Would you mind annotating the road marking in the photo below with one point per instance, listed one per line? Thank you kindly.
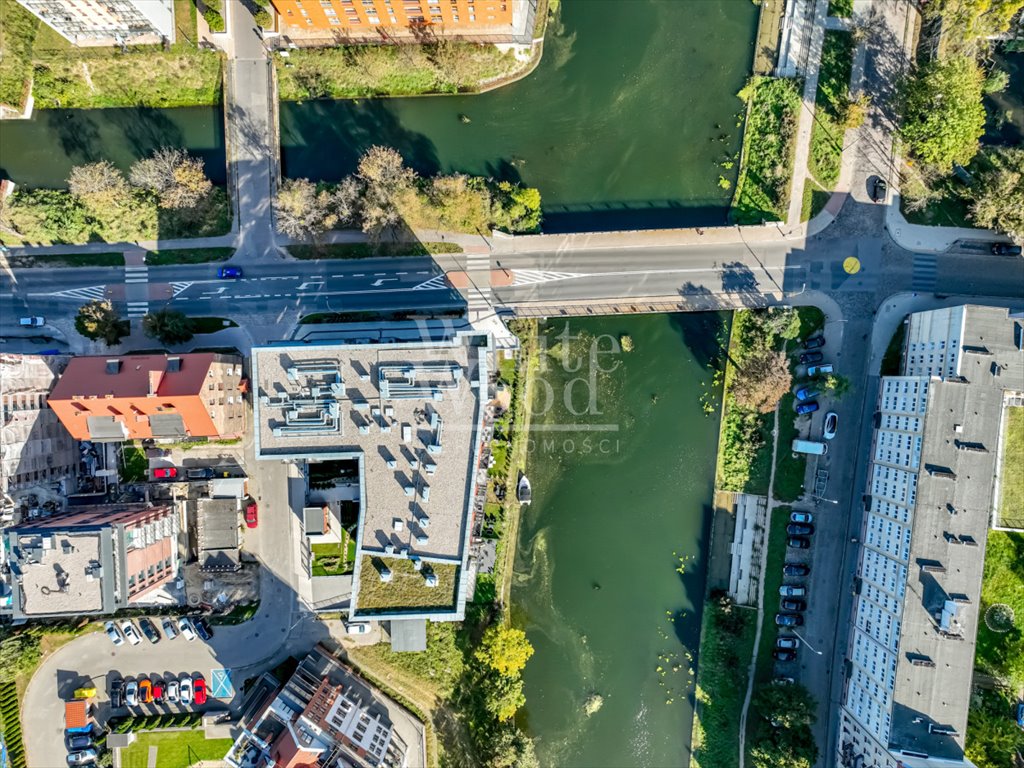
(381, 281)
(433, 284)
(309, 284)
(88, 294)
(359, 274)
(532, 276)
(177, 288)
(401, 273)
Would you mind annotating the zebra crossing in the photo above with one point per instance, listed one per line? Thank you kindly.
(926, 271)
(138, 276)
(478, 293)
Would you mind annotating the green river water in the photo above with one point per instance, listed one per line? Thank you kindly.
(621, 500)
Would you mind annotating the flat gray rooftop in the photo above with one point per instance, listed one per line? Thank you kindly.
(60, 581)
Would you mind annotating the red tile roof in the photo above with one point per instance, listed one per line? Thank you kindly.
(87, 376)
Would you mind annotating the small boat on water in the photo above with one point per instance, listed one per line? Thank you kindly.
(523, 491)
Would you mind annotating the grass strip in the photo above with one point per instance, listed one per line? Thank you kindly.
(56, 261)
(188, 256)
(371, 250)
(1001, 653)
(18, 29)
(1011, 479)
(790, 467)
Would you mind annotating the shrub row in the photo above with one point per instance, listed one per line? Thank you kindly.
(11, 723)
(154, 722)
(212, 13)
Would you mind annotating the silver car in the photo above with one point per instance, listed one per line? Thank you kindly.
(789, 591)
(131, 694)
(115, 636)
(169, 630)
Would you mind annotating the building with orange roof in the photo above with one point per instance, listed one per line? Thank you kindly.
(160, 397)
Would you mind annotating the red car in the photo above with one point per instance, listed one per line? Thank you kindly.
(158, 691)
(165, 472)
(199, 694)
(251, 515)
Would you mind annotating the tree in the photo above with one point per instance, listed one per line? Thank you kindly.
(305, 212)
(384, 169)
(505, 650)
(502, 696)
(785, 706)
(168, 326)
(98, 184)
(178, 179)
(512, 749)
(966, 20)
(99, 320)
(783, 322)
(837, 385)
(762, 379)
(998, 192)
(941, 110)
(515, 208)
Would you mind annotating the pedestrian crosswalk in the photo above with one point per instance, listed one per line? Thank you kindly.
(138, 308)
(136, 274)
(478, 292)
(136, 284)
(925, 272)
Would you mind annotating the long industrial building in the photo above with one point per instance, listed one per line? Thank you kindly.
(107, 22)
(928, 503)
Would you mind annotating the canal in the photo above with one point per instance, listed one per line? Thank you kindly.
(609, 575)
(41, 151)
(630, 120)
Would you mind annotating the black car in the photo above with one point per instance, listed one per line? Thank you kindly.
(799, 529)
(76, 741)
(149, 630)
(786, 642)
(782, 655)
(117, 693)
(203, 628)
(795, 569)
(798, 542)
(809, 358)
(814, 342)
(200, 473)
(879, 189)
(789, 620)
(792, 604)
(1006, 249)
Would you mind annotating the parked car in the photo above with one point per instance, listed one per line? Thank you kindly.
(165, 473)
(83, 757)
(798, 542)
(149, 630)
(229, 273)
(793, 604)
(818, 370)
(130, 633)
(199, 690)
(203, 628)
(789, 620)
(111, 630)
(792, 590)
(815, 342)
(806, 393)
(784, 681)
(1020, 714)
(145, 691)
(781, 655)
(168, 627)
(158, 690)
(804, 408)
(185, 692)
(811, 357)
(1006, 249)
(31, 322)
(75, 741)
(251, 515)
(785, 641)
(186, 628)
(131, 693)
(200, 473)
(117, 692)
(172, 691)
(801, 517)
(879, 190)
(796, 569)
(357, 628)
(799, 529)
(831, 425)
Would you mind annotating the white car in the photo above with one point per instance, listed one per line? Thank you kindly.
(130, 633)
(111, 630)
(801, 517)
(131, 694)
(186, 628)
(172, 692)
(831, 425)
(169, 630)
(359, 628)
(185, 691)
(31, 322)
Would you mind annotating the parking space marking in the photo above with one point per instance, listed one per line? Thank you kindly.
(220, 684)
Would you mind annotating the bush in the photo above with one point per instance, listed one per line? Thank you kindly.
(212, 14)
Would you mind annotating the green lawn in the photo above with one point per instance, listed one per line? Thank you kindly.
(175, 749)
(892, 360)
(136, 464)
(815, 200)
(370, 250)
(407, 588)
(772, 581)
(1011, 486)
(18, 29)
(109, 259)
(830, 107)
(789, 467)
(188, 256)
(1002, 654)
(334, 559)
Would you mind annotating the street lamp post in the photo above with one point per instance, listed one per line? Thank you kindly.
(804, 639)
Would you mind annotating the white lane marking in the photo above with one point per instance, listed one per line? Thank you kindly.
(309, 284)
(532, 276)
(92, 292)
(379, 282)
(433, 284)
(177, 288)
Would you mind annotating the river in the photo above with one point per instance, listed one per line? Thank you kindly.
(628, 120)
(610, 564)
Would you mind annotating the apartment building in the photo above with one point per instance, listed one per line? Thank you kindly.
(34, 446)
(928, 502)
(509, 19)
(107, 22)
(91, 561)
(160, 397)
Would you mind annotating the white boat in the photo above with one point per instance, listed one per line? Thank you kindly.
(523, 491)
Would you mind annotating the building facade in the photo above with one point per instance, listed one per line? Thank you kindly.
(160, 397)
(928, 503)
(490, 18)
(107, 22)
(34, 446)
(91, 561)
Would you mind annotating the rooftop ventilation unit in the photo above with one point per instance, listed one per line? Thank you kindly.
(423, 521)
(406, 433)
(430, 468)
(417, 564)
(425, 493)
(403, 552)
(398, 525)
(409, 490)
(385, 574)
(392, 463)
(389, 549)
(422, 538)
(430, 579)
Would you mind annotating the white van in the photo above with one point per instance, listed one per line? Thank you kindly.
(810, 446)
(819, 370)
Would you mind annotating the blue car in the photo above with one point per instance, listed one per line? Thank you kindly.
(805, 408)
(1020, 714)
(229, 273)
(806, 393)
